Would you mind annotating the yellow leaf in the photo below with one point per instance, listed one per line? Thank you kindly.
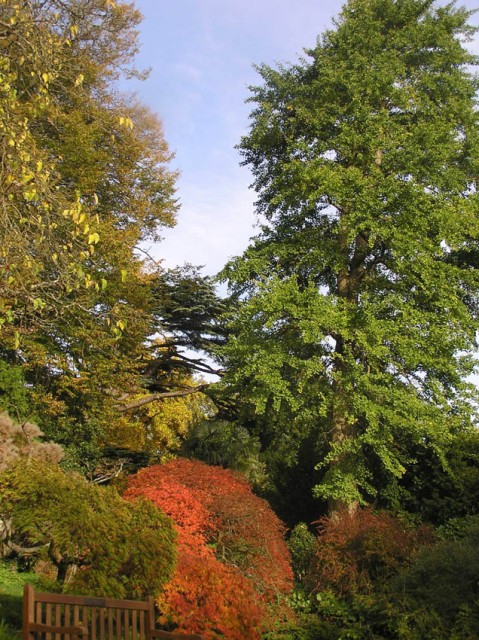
(123, 275)
(93, 238)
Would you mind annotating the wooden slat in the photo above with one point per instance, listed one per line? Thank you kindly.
(38, 612)
(142, 624)
(102, 624)
(66, 619)
(48, 618)
(134, 625)
(58, 619)
(118, 624)
(93, 622)
(84, 617)
(126, 624)
(110, 624)
(76, 617)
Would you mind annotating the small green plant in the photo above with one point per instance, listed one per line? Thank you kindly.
(302, 545)
(6, 633)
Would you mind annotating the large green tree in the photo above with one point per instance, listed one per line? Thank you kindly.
(357, 303)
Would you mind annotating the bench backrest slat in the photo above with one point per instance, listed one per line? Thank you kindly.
(58, 619)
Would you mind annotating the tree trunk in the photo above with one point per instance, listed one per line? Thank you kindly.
(342, 428)
(343, 424)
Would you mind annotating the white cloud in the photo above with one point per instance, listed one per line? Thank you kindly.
(215, 223)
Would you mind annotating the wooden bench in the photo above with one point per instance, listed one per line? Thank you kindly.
(55, 616)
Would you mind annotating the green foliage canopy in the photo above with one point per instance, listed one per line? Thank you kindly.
(357, 303)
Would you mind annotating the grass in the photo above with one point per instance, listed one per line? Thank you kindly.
(11, 591)
(7, 633)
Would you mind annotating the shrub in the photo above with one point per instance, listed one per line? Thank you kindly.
(210, 598)
(17, 441)
(6, 633)
(356, 551)
(302, 545)
(233, 561)
(99, 543)
(443, 580)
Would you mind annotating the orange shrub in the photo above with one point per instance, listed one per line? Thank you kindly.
(210, 598)
(233, 562)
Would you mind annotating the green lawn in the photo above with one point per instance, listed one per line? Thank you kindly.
(11, 590)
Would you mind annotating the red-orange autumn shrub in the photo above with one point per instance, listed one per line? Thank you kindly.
(233, 562)
(210, 598)
(355, 551)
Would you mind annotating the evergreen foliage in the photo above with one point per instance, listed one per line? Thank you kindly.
(229, 445)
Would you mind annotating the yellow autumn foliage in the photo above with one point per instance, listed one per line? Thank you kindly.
(159, 428)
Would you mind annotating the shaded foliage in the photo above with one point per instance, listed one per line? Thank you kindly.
(229, 445)
(441, 588)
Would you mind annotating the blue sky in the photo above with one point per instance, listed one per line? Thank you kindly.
(201, 54)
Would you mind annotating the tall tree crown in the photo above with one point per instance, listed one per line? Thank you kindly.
(359, 297)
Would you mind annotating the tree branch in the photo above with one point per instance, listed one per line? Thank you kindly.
(140, 402)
